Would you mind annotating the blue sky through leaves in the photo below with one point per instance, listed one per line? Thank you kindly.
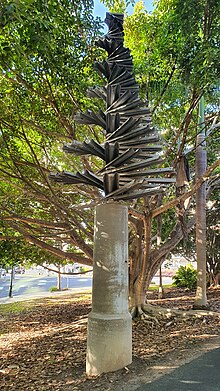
(100, 9)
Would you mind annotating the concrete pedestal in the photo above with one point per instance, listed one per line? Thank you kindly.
(109, 340)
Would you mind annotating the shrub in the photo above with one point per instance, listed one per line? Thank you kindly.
(185, 277)
(53, 289)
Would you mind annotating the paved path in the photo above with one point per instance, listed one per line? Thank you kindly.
(201, 374)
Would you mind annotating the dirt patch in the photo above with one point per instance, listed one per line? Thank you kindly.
(44, 348)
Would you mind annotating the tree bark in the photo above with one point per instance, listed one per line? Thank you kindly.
(58, 279)
(160, 290)
(136, 258)
(159, 229)
(137, 298)
(153, 261)
(11, 282)
(201, 161)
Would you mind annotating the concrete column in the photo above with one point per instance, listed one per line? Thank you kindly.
(109, 340)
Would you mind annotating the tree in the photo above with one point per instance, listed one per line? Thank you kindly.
(11, 256)
(213, 240)
(47, 52)
(201, 162)
(171, 72)
(7, 260)
(188, 245)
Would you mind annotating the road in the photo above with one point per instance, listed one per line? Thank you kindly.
(27, 286)
(201, 374)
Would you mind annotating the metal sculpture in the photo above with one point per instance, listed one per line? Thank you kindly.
(132, 145)
(130, 154)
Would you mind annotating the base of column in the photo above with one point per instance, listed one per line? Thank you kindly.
(109, 343)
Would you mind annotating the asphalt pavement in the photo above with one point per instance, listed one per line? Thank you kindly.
(200, 374)
(29, 287)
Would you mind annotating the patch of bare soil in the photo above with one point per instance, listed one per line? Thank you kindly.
(44, 348)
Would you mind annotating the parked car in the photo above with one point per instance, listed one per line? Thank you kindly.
(3, 272)
(19, 270)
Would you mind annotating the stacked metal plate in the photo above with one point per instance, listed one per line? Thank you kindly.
(132, 150)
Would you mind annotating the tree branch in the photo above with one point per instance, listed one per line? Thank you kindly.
(66, 273)
(164, 88)
(42, 223)
(176, 201)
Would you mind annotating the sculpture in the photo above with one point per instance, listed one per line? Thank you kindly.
(132, 145)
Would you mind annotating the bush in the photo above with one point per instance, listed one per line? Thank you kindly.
(185, 277)
(53, 289)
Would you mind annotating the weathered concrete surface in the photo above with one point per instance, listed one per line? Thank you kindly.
(109, 345)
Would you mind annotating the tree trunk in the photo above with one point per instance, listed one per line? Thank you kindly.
(137, 299)
(159, 229)
(138, 284)
(136, 259)
(58, 279)
(11, 282)
(160, 291)
(201, 161)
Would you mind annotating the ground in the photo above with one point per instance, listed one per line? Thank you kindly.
(43, 343)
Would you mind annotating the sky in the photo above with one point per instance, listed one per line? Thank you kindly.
(100, 9)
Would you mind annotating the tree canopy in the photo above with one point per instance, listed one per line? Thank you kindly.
(47, 52)
(46, 55)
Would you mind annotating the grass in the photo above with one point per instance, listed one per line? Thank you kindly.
(54, 289)
(14, 308)
(27, 305)
(156, 287)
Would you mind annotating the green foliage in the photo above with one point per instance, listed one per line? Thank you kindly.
(185, 277)
(117, 5)
(190, 31)
(47, 53)
(188, 245)
(53, 289)
(176, 59)
(21, 253)
(183, 35)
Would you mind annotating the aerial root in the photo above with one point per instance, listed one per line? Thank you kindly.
(133, 312)
(154, 314)
(140, 313)
(146, 317)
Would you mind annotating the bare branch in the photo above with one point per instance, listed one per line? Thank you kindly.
(176, 201)
(6, 237)
(164, 88)
(42, 130)
(42, 223)
(66, 273)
